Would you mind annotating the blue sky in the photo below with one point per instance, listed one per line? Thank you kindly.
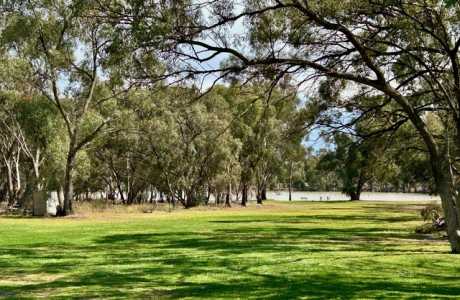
(238, 29)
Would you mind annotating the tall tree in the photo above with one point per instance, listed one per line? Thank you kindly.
(66, 50)
(405, 51)
(353, 161)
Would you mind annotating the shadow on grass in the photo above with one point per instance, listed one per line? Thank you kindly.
(251, 283)
(243, 258)
(322, 218)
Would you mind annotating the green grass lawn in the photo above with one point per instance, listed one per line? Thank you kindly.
(347, 250)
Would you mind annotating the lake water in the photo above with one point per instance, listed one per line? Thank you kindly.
(337, 196)
(303, 196)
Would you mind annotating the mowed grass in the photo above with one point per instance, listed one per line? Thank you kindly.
(349, 250)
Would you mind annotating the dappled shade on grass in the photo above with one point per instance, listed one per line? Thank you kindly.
(281, 251)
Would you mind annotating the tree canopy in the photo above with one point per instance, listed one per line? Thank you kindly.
(188, 100)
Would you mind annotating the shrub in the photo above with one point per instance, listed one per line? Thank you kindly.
(431, 212)
(435, 222)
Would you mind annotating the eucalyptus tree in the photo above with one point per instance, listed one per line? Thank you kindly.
(168, 140)
(122, 157)
(28, 123)
(191, 142)
(11, 153)
(405, 51)
(294, 160)
(354, 162)
(406, 162)
(66, 50)
(315, 176)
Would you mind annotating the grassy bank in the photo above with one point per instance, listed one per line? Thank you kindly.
(278, 251)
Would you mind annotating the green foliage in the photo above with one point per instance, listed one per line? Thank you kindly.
(451, 3)
(431, 212)
(38, 119)
(89, 85)
(352, 161)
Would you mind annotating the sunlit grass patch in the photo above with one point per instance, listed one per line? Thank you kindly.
(277, 251)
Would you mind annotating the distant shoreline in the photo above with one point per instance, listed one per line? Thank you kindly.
(338, 196)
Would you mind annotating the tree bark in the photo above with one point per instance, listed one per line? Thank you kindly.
(68, 184)
(244, 195)
(259, 198)
(290, 181)
(190, 199)
(120, 191)
(227, 196)
(355, 196)
(261, 193)
(208, 194)
(10, 194)
(450, 200)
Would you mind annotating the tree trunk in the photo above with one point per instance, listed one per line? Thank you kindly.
(190, 199)
(68, 184)
(260, 191)
(129, 197)
(208, 195)
(59, 196)
(227, 196)
(244, 195)
(10, 193)
(3, 191)
(17, 176)
(152, 194)
(259, 198)
(290, 191)
(290, 181)
(120, 191)
(355, 196)
(450, 201)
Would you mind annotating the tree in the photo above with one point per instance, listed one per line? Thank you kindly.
(66, 51)
(267, 126)
(294, 160)
(404, 51)
(354, 163)
(10, 149)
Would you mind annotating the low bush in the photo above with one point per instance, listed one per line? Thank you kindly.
(434, 220)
